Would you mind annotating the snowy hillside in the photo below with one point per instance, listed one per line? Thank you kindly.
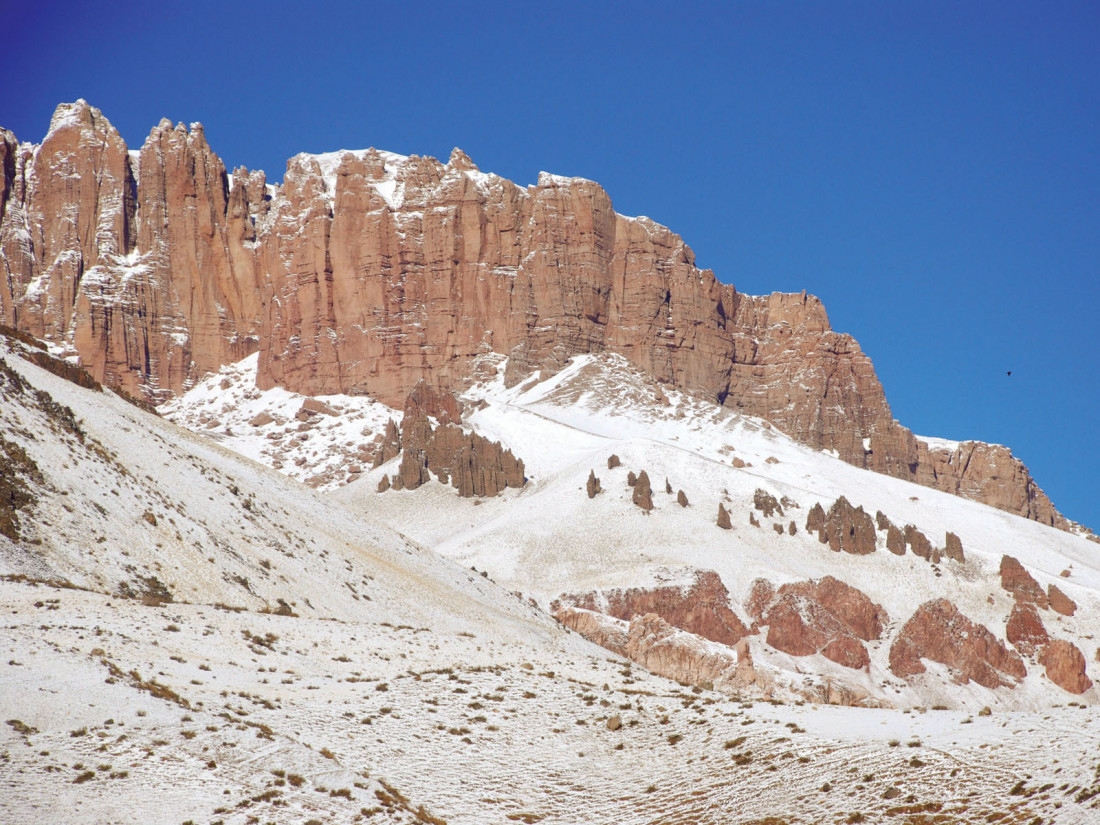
(550, 539)
(152, 674)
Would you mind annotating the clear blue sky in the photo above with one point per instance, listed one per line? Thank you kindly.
(930, 169)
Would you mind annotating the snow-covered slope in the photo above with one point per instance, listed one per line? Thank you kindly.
(406, 688)
(550, 538)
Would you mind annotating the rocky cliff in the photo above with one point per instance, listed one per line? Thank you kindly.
(366, 272)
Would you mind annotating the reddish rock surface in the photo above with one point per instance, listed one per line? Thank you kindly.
(1065, 666)
(827, 617)
(701, 608)
(1023, 587)
(920, 545)
(1060, 602)
(1025, 630)
(939, 632)
(370, 272)
(845, 527)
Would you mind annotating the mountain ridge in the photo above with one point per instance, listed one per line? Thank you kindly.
(365, 272)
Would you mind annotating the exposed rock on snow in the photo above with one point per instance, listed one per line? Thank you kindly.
(939, 632)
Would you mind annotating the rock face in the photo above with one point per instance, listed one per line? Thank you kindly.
(154, 279)
(1060, 602)
(701, 608)
(939, 632)
(988, 473)
(828, 617)
(1023, 587)
(845, 527)
(367, 272)
(1065, 666)
(661, 648)
(472, 464)
(1025, 630)
(724, 517)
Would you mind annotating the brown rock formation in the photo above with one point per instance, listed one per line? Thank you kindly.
(631, 479)
(593, 484)
(1065, 666)
(988, 473)
(828, 617)
(703, 608)
(724, 517)
(895, 541)
(643, 493)
(845, 527)
(1025, 630)
(939, 632)
(471, 463)
(681, 499)
(766, 503)
(815, 522)
(613, 461)
(390, 446)
(920, 545)
(954, 548)
(368, 272)
(1017, 581)
(1060, 602)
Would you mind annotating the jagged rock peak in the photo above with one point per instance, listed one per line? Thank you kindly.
(461, 162)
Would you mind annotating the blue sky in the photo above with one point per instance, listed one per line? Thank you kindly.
(931, 170)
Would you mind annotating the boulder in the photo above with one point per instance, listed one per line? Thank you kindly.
(1065, 666)
(724, 517)
(766, 503)
(1023, 587)
(1060, 602)
(643, 494)
(593, 485)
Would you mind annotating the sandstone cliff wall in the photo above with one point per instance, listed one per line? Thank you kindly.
(366, 272)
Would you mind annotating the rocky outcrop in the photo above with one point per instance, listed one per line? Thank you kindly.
(920, 545)
(724, 517)
(1060, 602)
(845, 527)
(1025, 630)
(1023, 587)
(643, 493)
(766, 503)
(953, 548)
(471, 463)
(939, 632)
(681, 498)
(390, 446)
(665, 650)
(828, 617)
(701, 607)
(367, 272)
(592, 487)
(1065, 666)
(988, 473)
